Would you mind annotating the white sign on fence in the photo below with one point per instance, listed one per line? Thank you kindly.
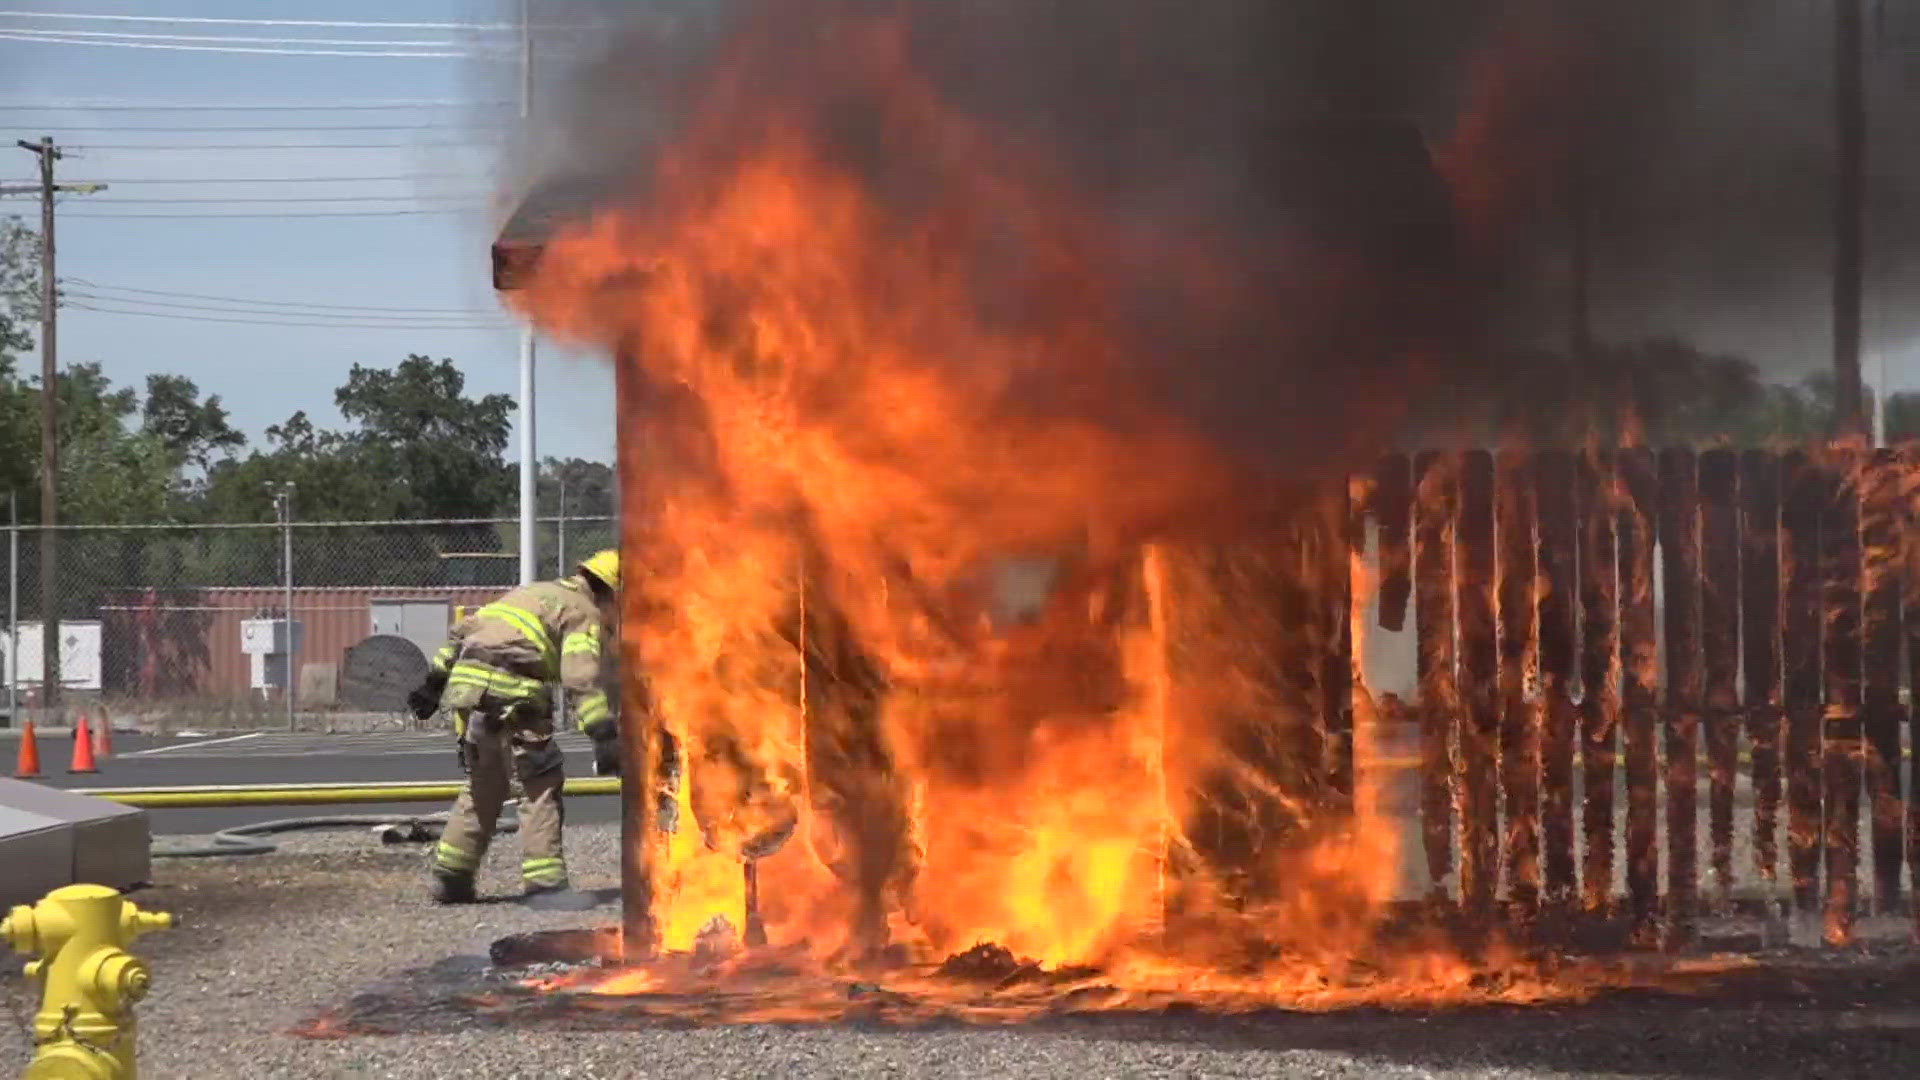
(79, 655)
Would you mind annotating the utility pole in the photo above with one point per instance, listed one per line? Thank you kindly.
(529, 469)
(1849, 224)
(50, 685)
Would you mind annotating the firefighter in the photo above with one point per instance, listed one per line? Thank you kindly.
(495, 675)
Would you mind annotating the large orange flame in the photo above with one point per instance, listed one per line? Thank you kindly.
(870, 392)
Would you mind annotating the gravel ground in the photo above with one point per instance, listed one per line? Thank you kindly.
(273, 940)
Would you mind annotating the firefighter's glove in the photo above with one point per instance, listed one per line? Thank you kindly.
(606, 746)
(424, 700)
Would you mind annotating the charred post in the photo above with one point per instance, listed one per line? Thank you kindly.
(1760, 647)
(1840, 573)
(1880, 522)
(1680, 574)
(1519, 723)
(851, 782)
(638, 753)
(1639, 674)
(1479, 676)
(1337, 679)
(1720, 641)
(1800, 663)
(1599, 676)
(1558, 541)
(1392, 504)
(1436, 478)
(1909, 519)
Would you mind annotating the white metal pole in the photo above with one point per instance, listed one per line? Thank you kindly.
(528, 467)
(293, 649)
(560, 569)
(13, 608)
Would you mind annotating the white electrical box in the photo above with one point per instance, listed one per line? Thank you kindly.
(269, 637)
(79, 655)
(269, 645)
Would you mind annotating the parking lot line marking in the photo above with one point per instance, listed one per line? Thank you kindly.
(193, 745)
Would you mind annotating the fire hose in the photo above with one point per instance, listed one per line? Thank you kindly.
(232, 795)
(241, 840)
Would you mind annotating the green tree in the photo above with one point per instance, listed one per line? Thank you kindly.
(580, 487)
(1661, 391)
(19, 285)
(418, 447)
(110, 470)
(193, 431)
(585, 493)
(440, 449)
(1902, 417)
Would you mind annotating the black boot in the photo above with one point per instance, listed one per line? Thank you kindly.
(448, 887)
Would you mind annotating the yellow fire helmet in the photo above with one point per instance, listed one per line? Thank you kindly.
(604, 567)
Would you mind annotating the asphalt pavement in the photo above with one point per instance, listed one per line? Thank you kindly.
(283, 758)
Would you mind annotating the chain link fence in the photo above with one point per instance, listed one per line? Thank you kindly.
(186, 627)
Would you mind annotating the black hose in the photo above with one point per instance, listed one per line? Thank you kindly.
(238, 840)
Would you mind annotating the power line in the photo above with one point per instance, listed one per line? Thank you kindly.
(421, 317)
(261, 50)
(222, 200)
(202, 129)
(107, 37)
(135, 106)
(190, 216)
(276, 179)
(273, 303)
(329, 23)
(443, 145)
(327, 325)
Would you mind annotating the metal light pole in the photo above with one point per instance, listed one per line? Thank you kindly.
(560, 529)
(283, 512)
(528, 467)
(13, 608)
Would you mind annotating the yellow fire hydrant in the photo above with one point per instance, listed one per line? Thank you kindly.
(90, 983)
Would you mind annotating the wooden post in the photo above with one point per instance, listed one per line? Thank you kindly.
(1840, 573)
(1760, 647)
(1800, 662)
(1680, 574)
(1519, 723)
(1599, 675)
(1336, 669)
(1479, 675)
(1910, 617)
(1392, 514)
(1639, 672)
(1720, 638)
(637, 751)
(1554, 477)
(1436, 478)
(1880, 524)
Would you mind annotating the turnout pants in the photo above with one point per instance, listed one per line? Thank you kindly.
(499, 747)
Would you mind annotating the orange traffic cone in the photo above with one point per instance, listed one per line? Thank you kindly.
(82, 749)
(103, 738)
(27, 767)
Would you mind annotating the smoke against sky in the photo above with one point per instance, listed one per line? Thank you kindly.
(1702, 129)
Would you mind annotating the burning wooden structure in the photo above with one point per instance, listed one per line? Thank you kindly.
(1771, 665)
(1583, 618)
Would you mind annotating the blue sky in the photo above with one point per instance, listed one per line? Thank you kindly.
(433, 263)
